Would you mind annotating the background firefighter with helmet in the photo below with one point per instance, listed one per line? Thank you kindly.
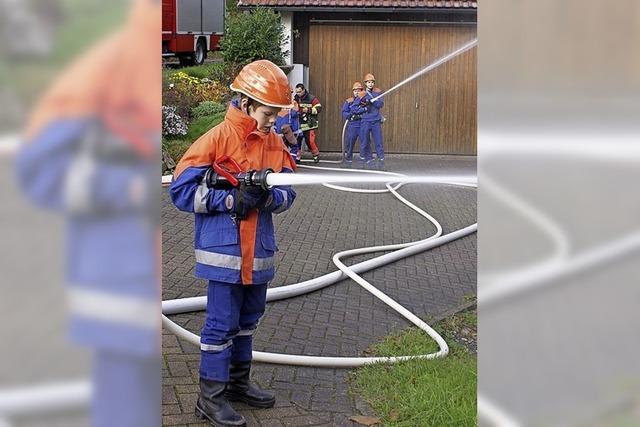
(371, 124)
(234, 234)
(308, 107)
(352, 111)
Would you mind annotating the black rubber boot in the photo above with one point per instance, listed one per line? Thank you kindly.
(212, 405)
(241, 389)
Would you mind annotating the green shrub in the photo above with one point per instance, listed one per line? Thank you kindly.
(208, 108)
(186, 92)
(251, 36)
(224, 73)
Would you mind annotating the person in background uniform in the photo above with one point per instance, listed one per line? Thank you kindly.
(371, 124)
(287, 127)
(352, 112)
(234, 236)
(308, 107)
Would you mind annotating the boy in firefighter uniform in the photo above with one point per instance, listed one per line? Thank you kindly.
(352, 112)
(234, 236)
(371, 124)
(308, 107)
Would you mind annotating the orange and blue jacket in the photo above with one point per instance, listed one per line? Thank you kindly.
(91, 139)
(227, 250)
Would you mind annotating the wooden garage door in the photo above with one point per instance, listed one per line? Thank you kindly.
(435, 114)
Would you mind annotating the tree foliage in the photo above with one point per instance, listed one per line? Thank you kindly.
(252, 36)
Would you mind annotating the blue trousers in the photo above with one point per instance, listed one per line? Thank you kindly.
(351, 135)
(374, 130)
(233, 312)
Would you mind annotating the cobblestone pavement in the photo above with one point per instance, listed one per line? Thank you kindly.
(343, 319)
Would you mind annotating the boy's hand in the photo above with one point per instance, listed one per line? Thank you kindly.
(241, 200)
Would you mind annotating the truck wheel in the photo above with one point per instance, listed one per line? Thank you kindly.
(201, 52)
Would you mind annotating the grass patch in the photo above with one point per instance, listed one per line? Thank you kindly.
(177, 146)
(211, 70)
(202, 71)
(200, 125)
(439, 392)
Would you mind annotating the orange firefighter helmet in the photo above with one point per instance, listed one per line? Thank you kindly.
(265, 82)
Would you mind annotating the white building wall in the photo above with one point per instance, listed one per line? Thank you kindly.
(287, 21)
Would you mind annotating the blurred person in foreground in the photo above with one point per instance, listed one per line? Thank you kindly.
(90, 151)
(234, 235)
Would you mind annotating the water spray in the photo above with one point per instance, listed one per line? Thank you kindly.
(431, 66)
(369, 177)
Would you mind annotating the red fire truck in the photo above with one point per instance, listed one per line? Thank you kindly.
(191, 28)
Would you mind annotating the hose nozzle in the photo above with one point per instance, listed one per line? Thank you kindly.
(259, 178)
(219, 179)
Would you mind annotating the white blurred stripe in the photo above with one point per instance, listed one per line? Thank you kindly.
(539, 219)
(107, 307)
(618, 147)
(495, 416)
(548, 273)
(45, 398)
(9, 144)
